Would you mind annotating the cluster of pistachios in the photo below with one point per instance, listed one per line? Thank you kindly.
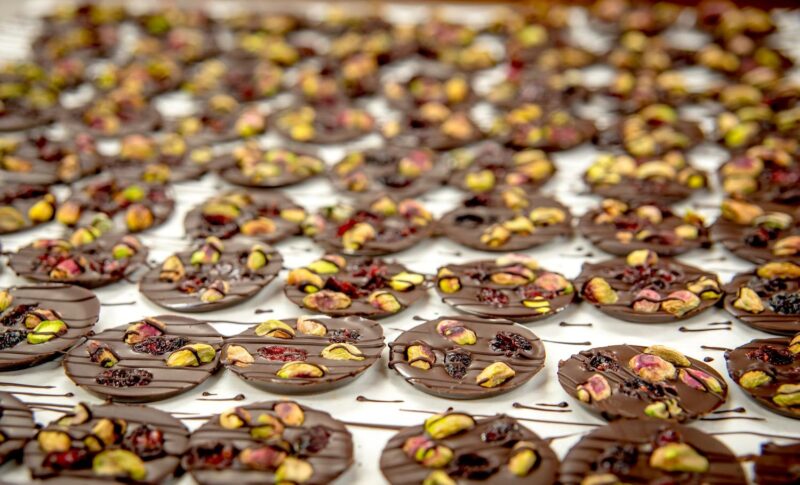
(262, 166)
(481, 174)
(534, 126)
(251, 216)
(38, 325)
(612, 170)
(25, 209)
(307, 124)
(640, 223)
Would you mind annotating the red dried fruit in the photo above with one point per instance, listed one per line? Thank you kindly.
(509, 343)
(211, 456)
(619, 459)
(16, 316)
(473, 466)
(67, 460)
(500, 431)
(313, 440)
(602, 362)
(146, 442)
(667, 436)
(11, 338)
(457, 362)
(492, 297)
(770, 354)
(124, 378)
(340, 335)
(282, 354)
(159, 345)
(345, 287)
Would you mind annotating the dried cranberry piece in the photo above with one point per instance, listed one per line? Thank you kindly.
(667, 436)
(191, 284)
(214, 456)
(312, 440)
(636, 386)
(124, 377)
(473, 466)
(499, 431)
(340, 335)
(619, 459)
(603, 362)
(786, 304)
(282, 354)
(457, 362)
(67, 460)
(492, 297)
(11, 338)
(146, 442)
(345, 287)
(159, 345)
(510, 343)
(774, 356)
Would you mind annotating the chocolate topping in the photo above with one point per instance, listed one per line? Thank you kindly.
(252, 166)
(778, 464)
(25, 206)
(16, 426)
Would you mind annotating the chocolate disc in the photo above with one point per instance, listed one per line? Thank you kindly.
(402, 172)
(269, 442)
(386, 225)
(84, 259)
(757, 234)
(650, 451)
(653, 131)
(221, 119)
(764, 174)
(665, 180)
(507, 220)
(630, 381)
(161, 160)
(489, 165)
(26, 104)
(768, 298)
(490, 450)
(245, 80)
(433, 126)
(16, 425)
(265, 216)
(114, 114)
(147, 360)
(365, 287)
(465, 357)
(778, 464)
(619, 228)
(152, 76)
(332, 124)
(644, 288)
(40, 322)
(512, 286)
(25, 206)
(768, 370)
(310, 354)
(213, 276)
(531, 126)
(108, 443)
(41, 160)
(447, 88)
(547, 89)
(137, 206)
(253, 166)
(338, 81)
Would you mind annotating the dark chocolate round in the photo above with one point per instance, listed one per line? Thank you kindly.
(767, 298)
(488, 165)
(265, 216)
(643, 288)
(16, 426)
(25, 206)
(40, 159)
(108, 443)
(768, 370)
(642, 451)
(764, 175)
(310, 354)
(338, 81)
(630, 381)
(757, 234)
(497, 449)
(384, 225)
(619, 228)
(512, 286)
(653, 131)
(534, 126)
(360, 286)
(26, 310)
(447, 88)
(245, 80)
(212, 276)
(433, 126)
(113, 115)
(402, 172)
(778, 464)
(253, 166)
(507, 220)
(101, 261)
(272, 442)
(160, 160)
(339, 123)
(465, 357)
(164, 356)
(221, 119)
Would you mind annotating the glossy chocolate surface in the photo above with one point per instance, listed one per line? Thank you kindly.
(16, 425)
(778, 464)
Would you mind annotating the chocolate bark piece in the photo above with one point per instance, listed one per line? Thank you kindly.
(402, 172)
(451, 89)
(338, 81)
(310, 354)
(507, 220)
(212, 276)
(619, 228)
(533, 125)
(338, 123)
(88, 258)
(108, 443)
(777, 464)
(147, 360)
(253, 166)
(455, 447)
(767, 298)
(265, 216)
(466, 357)
(40, 322)
(114, 114)
(512, 286)
(16, 426)
(485, 167)
(245, 80)
(41, 160)
(384, 225)
(162, 159)
(220, 119)
(666, 179)
(644, 288)
(631, 381)
(650, 451)
(768, 370)
(759, 233)
(433, 125)
(359, 286)
(25, 206)
(135, 205)
(272, 442)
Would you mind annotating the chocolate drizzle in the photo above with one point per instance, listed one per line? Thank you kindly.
(16, 425)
